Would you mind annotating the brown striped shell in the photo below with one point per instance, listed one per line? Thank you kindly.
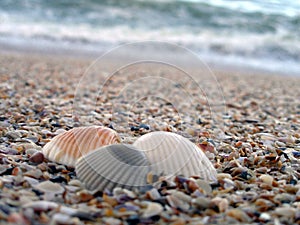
(66, 148)
(111, 166)
(171, 154)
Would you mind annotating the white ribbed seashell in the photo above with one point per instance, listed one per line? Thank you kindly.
(66, 148)
(111, 166)
(171, 154)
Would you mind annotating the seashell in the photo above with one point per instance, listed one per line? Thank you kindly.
(171, 154)
(116, 165)
(67, 147)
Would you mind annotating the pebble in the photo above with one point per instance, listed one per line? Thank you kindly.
(204, 186)
(201, 203)
(153, 194)
(221, 203)
(152, 209)
(110, 200)
(129, 193)
(267, 179)
(181, 196)
(111, 221)
(37, 158)
(265, 217)
(17, 218)
(3, 169)
(59, 218)
(49, 187)
(285, 211)
(239, 215)
(31, 181)
(34, 173)
(8, 151)
(13, 135)
(84, 195)
(41, 206)
(175, 202)
(30, 151)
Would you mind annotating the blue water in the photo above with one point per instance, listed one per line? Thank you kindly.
(263, 34)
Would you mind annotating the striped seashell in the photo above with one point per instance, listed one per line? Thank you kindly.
(171, 154)
(111, 166)
(66, 148)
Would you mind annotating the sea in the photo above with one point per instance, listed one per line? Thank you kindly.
(259, 34)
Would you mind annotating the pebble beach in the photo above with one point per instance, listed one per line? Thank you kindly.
(253, 141)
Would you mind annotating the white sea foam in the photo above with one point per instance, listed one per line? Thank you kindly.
(230, 32)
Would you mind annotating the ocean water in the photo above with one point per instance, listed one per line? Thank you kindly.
(263, 34)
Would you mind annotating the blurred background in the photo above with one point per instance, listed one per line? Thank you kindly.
(261, 34)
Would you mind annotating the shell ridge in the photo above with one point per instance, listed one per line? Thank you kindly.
(66, 148)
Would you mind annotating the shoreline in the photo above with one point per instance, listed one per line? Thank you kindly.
(94, 55)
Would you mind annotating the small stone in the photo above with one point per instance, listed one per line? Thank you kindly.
(144, 126)
(267, 179)
(182, 196)
(152, 209)
(84, 195)
(50, 187)
(204, 186)
(264, 217)
(110, 200)
(35, 173)
(190, 131)
(221, 176)
(118, 191)
(111, 221)
(17, 218)
(286, 211)
(8, 151)
(3, 168)
(153, 194)
(37, 158)
(174, 202)
(31, 181)
(179, 221)
(221, 203)
(228, 184)
(29, 152)
(41, 206)
(239, 215)
(84, 216)
(13, 135)
(284, 198)
(59, 218)
(129, 193)
(16, 171)
(59, 131)
(201, 203)
(58, 179)
(76, 183)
